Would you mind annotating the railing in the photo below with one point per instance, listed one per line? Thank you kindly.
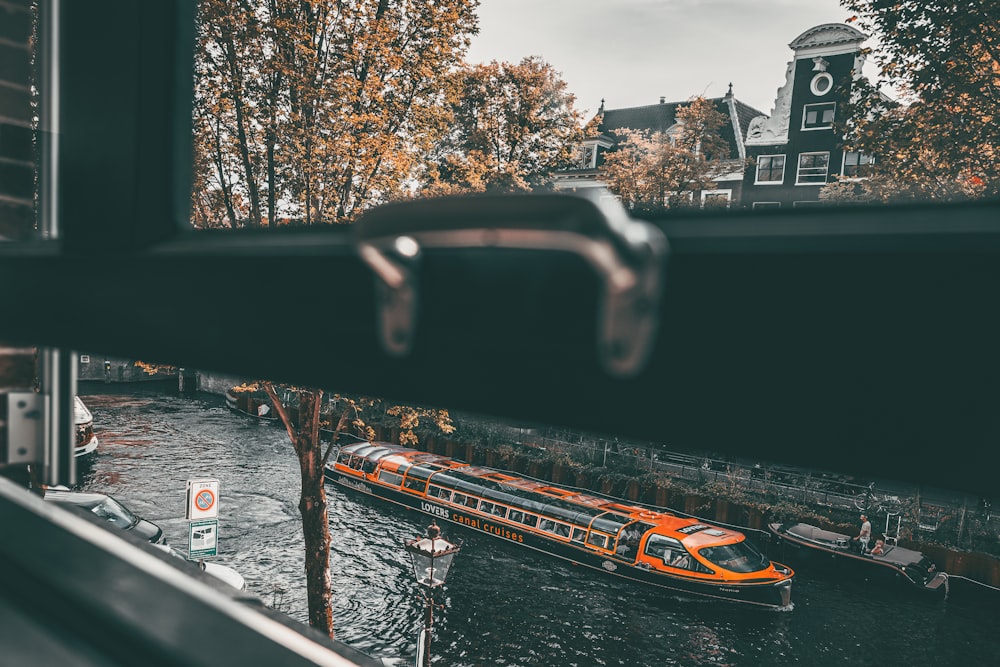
(933, 514)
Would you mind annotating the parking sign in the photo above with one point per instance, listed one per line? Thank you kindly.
(202, 499)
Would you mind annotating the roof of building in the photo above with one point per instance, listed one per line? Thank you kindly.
(660, 117)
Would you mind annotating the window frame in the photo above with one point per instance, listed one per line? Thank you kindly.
(757, 170)
(843, 165)
(813, 170)
(818, 125)
(709, 194)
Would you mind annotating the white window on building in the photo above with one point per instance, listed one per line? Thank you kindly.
(588, 156)
(813, 168)
(716, 198)
(854, 164)
(818, 116)
(767, 204)
(770, 170)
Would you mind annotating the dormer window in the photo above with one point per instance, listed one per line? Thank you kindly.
(818, 116)
(588, 156)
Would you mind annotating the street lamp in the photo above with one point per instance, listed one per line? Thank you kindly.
(431, 557)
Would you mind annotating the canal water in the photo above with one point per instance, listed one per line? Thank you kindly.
(502, 605)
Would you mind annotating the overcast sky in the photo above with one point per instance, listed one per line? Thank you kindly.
(630, 52)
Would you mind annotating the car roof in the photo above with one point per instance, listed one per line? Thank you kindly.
(75, 497)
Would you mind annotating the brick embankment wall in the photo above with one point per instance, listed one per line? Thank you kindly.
(93, 368)
(217, 383)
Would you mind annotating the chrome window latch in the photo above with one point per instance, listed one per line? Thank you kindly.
(629, 256)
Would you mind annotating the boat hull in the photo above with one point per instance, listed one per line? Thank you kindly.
(769, 594)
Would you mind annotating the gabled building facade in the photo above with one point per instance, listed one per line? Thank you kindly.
(796, 150)
(662, 117)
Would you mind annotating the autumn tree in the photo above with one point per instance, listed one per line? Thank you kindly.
(939, 139)
(510, 127)
(312, 110)
(666, 169)
(302, 413)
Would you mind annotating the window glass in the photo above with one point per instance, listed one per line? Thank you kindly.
(598, 540)
(738, 557)
(438, 492)
(390, 478)
(415, 484)
(770, 168)
(523, 517)
(818, 116)
(813, 168)
(855, 163)
(115, 513)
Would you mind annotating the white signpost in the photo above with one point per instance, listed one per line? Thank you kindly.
(202, 512)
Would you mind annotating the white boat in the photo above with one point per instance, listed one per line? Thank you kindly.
(86, 440)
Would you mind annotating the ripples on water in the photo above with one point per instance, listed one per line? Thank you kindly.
(503, 605)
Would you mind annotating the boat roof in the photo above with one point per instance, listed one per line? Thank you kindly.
(571, 505)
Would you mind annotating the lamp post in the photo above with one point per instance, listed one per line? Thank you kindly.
(431, 557)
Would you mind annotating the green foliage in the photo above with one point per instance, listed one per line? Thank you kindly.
(940, 140)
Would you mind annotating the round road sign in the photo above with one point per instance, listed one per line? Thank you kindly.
(204, 500)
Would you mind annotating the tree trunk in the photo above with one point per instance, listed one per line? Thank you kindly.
(312, 502)
(315, 523)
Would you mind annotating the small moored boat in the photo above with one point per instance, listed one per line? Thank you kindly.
(654, 548)
(895, 564)
(83, 421)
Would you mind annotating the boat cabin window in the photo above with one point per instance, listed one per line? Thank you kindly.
(523, 517)
(738, 557)
(390, 478)
(493, 508)
(438, 492)
(343, 457)
(664, 548)
(468, 501)
(579, 535)
(599, 540)
(368, 466)
(356, 462)
(415, 484)
(554, 527)
(610, 522)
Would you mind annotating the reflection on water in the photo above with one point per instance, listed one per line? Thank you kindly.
(502, 605)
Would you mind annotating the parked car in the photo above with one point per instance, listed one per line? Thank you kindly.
(221, 572)
(109, 509)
